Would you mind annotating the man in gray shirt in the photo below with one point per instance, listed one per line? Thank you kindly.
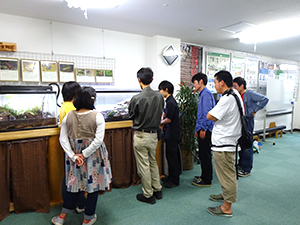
(145, 109)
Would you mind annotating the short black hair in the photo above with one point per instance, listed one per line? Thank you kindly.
(85, 98)
(69, 90)
(225, 76)
(166, 84)
(240, 81)
(200, 76)
(146, 75)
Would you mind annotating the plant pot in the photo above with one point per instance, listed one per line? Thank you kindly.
(187, 159)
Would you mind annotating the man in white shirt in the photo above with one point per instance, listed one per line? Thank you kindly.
(225, 134)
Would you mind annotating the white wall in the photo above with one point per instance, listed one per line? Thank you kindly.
(162, 71)
(130, 51)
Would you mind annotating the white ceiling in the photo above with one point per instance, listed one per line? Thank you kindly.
(176, 18)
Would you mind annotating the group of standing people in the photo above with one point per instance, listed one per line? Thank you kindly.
(87, 167)
(218, 128)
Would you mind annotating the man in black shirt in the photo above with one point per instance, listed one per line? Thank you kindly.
(171, 124)
(145, 109)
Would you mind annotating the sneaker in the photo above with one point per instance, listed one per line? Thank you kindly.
(201, 183)
(57, 220)
(243, 173)
(217, 211)
(142, 198)
(217, 198)
(90, 222)
(196, 178)
(79, 210)
(157, 194)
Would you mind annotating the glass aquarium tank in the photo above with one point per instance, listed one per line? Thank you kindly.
(27, 107)
(114, 104)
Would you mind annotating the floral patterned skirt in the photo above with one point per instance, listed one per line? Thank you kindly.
(94, 175)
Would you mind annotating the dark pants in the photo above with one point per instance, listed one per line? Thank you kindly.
(205, 157)
(174, 160)
(81, 200)
(246, 155)
(70, 200)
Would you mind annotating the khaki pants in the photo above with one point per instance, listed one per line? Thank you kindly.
(224, 163)
(144, 148)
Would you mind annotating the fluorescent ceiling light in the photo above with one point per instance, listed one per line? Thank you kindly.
(271, 31)
(88, 4)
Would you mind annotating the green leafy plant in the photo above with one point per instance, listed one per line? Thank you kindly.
(7, 110)
(187, 101)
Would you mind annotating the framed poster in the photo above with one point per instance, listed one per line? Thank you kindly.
(214, 63)
(251, 74)
(49, 71)
(66, 71)
(85, 75)
(104, 76)
(9, 69)
(238, 66)
(30, 70)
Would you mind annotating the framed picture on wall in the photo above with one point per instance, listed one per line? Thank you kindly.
(9, 69)
(104, 76)
(30, 70)
(66, 71)
(49, 71)
(85, 75)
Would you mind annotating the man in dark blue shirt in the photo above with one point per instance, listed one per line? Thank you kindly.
(171, 125)
(203, 130)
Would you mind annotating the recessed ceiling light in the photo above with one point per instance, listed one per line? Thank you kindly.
(271, 31)
(88, 4)
(237, 27)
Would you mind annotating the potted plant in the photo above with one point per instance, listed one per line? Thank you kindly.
(187, 101)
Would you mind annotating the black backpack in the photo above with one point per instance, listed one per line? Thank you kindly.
(245, 141)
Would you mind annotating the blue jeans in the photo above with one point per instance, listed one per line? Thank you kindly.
(81, 199)
(246, 155)
(70, 199)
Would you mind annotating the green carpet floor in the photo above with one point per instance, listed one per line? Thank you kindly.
(271, 195)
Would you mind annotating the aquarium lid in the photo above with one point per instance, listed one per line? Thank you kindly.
(26, 89)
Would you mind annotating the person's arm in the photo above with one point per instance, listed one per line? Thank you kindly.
(64, 140)
(165, 121)
(207, 106)
(167, 118)
(204, 106)
(210, 117)
(99, 136)
(261, 101)
(220, 109)
(131, 109)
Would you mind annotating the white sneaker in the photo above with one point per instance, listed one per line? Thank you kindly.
(57, 220)
(90, 222)
(79, 210)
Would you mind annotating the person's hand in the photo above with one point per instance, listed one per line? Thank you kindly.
(196, 134)
(202, 134)
(252, 114)
(81, 156)
(79, 160)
